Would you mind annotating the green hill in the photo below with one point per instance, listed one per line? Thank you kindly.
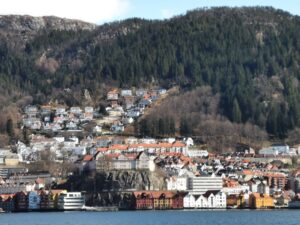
(249, 59)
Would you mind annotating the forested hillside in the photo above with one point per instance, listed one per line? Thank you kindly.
(248, 59)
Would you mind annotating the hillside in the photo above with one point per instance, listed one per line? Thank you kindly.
(248, 59)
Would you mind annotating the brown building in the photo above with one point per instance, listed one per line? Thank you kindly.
(21, 201)
(158, 200)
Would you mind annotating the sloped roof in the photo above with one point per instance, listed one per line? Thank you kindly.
(208, 193)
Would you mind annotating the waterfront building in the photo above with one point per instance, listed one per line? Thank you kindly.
(258, 201)
(33, 200)
(7, 202)
(189, 201)
(21, 201)
(158, 200)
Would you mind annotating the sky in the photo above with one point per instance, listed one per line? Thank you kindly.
(102, 11)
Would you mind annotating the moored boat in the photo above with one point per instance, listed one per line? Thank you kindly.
(71, 201)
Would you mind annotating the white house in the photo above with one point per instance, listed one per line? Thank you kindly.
(201, 202)
(189, 201)
(212, 199)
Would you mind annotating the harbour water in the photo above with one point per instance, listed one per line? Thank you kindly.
(197, 217)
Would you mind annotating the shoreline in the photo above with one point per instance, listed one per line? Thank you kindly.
(105, 209)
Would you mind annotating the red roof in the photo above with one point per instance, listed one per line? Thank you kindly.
(87, 158)
(114, 155)
(39, 181)
(179, 144)
(102, 149)
(165, 145)
(155, 194)
(118, 147)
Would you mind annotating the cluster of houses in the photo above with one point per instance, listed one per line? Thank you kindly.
(42, 200)
(195, 177)
(126, 105)
(27, 192)
(56, 117)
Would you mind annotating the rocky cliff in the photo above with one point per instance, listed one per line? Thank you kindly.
(16, 30)
(113, 187)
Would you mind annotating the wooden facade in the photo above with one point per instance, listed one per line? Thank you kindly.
(158, 200)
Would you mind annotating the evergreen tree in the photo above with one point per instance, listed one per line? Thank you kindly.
(10, 129)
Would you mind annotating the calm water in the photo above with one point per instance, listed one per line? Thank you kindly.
(232, 217)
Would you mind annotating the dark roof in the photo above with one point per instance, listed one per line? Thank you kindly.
(208, 193)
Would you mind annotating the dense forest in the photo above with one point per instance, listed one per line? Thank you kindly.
(248, 59)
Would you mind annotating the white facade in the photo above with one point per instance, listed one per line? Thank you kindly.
(177, 183)
(189, 201)
(201, 202)
(235, 190)
(197, 153)
(202, 184)
(210, 199)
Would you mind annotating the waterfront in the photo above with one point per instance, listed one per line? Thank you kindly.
(207, 217)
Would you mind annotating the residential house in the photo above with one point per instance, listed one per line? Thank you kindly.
(142, 161)
(133, 113)
(189, 200)
(113, 95)
(61, 111)
(140, 92)
(31, 111)
(123, 162)
(129, 101)
(258, 201)
(117, 128)
(126, 92)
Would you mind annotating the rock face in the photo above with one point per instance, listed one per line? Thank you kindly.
(17, 30)
(29, 23)
(114, 187)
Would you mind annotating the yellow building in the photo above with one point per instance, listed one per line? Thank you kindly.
(54, 194)
(11, 160)
(260, 201)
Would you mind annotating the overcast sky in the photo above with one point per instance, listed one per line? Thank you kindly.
(100, 11)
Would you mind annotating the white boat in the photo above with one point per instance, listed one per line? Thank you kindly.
(71, 201)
